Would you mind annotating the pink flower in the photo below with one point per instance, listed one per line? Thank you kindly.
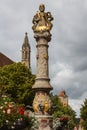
(8, 111)
(4, 111)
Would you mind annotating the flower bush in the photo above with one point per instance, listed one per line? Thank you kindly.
(11, 113)
(60, 122)
(64, 118)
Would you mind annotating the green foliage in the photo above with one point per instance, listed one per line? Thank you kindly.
(17, 80)
(83, 112)
(59, 111)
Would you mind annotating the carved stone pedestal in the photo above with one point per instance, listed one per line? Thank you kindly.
(45, 122)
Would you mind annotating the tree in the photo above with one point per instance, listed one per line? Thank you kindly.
(17, 80)
(83, 112)
(65, 114)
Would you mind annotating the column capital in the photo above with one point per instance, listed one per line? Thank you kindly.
(45, 35)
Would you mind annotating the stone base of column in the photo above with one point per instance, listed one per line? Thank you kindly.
(45, 122)
(42, 83)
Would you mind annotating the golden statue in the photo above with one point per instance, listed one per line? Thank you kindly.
(42, 20)
(42, 100)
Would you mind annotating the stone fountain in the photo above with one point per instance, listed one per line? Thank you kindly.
(42, 104)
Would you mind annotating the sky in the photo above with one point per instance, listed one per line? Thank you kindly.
(67, 49)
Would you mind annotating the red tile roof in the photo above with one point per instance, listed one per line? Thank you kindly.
(4, 60)
(62, 94)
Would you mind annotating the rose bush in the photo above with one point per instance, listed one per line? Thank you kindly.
(12, 114)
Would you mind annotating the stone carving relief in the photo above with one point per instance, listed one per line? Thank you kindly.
(42, 103)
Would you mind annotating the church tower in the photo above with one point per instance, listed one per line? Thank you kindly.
(63, 98)
(26, 52)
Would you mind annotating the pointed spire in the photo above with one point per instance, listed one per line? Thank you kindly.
(26, 42)
(26, 52)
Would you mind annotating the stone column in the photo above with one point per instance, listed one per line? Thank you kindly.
(42, 103)
(42, 75)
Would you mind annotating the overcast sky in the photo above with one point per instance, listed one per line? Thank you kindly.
(67, 49)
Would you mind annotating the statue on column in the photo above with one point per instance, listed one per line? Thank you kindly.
(42, 20)
(42, 104)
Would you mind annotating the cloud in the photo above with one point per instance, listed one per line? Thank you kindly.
(67, 49)
(63, 73)
(76, 104)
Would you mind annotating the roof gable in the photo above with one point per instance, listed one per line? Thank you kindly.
(4, 60)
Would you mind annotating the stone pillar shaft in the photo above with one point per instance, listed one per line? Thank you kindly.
(42, 59)
(42, 75)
